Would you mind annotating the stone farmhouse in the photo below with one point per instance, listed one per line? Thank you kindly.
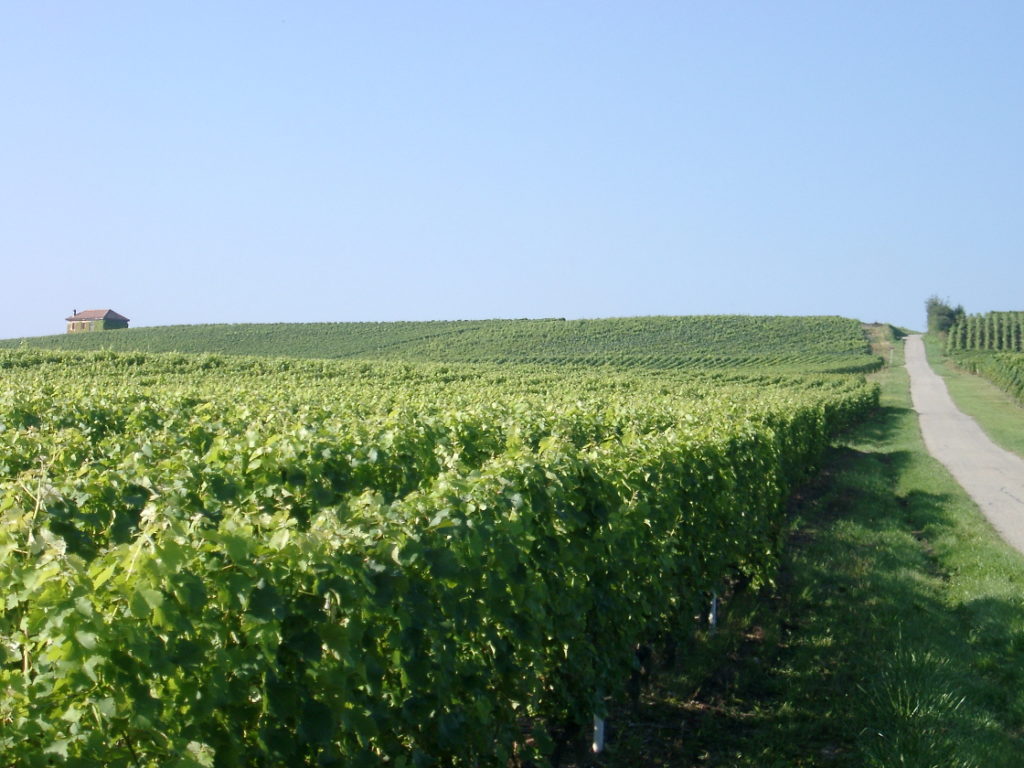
(95, 320)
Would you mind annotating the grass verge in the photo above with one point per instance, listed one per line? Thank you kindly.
(895, 636)
(997, 413)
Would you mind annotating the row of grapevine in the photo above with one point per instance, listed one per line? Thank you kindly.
(215, 562)
(996, 331)
(1004, 369)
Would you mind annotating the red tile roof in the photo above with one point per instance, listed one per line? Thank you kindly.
(96, 314)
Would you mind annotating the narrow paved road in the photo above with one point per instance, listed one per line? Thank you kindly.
(993, 477)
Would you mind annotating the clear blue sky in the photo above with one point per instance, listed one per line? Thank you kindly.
(187, 162)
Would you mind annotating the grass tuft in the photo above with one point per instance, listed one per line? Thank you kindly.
(914, 697)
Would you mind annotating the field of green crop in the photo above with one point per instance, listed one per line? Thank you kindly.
(991, 345)
(992, 331)
(215, 560)
(797, 344)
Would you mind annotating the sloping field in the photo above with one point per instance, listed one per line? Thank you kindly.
(820, 344)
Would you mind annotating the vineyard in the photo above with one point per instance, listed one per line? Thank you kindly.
(990, 345)
(825, 344)
(1004, 369)
(992, 331)
(214, 561)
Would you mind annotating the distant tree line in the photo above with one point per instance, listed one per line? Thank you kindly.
(942, 316)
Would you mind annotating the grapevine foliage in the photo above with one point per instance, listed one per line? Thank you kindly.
(992, 331)
(212, 561)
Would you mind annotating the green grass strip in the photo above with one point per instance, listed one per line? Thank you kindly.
(998, 414)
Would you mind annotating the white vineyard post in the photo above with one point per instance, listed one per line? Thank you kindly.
(598, 745)
(713, 613)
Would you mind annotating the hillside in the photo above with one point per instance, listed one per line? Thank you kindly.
(824, 344)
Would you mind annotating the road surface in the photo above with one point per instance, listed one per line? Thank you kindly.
(993, 477)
